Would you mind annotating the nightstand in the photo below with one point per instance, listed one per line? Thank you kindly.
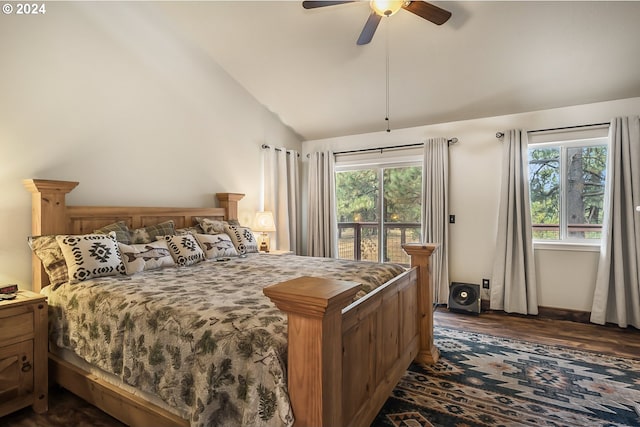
(23, 353)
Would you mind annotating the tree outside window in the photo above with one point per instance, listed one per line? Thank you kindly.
(378, 210)
(567, 188)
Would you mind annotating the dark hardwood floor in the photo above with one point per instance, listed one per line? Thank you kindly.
(67, 410)
(609, 339)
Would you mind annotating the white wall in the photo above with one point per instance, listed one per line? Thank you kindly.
(106, 94)
(566, 279)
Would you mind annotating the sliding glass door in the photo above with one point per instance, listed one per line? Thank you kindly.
(378, 210)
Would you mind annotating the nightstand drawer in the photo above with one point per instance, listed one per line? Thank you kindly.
(15, 323)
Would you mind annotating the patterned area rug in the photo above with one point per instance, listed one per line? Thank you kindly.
(482, 380)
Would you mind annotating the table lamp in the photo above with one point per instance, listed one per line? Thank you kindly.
(264, 223)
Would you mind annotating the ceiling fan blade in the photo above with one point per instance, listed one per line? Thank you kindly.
(369, 28)
(315, 4)
(428, 11)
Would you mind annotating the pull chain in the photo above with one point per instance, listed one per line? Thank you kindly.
(387, 75)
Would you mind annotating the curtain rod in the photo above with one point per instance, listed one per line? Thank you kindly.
(501, 134)
(394, 147)
(265, 146)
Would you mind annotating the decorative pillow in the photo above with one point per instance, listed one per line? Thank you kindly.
(242, 238)
(216, 245)
(196, 229)
(211, 226)
(149, 234)
(184, 249)
(121, 230)
(48, 250)
(91, 255)
(147, 256)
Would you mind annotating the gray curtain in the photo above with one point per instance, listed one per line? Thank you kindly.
(435, 196)
(617, 293)
(282, 196)
(322, 224)
(514, 280)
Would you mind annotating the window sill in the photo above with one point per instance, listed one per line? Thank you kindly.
(566, 246)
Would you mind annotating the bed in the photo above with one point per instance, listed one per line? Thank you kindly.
(342, 352)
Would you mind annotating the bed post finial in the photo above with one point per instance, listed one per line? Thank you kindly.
(48, 216)
(229, 201)
(420, 254)
(314, 338)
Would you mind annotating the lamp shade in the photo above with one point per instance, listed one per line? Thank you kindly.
(264, 222)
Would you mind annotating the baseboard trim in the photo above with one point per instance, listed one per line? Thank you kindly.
(548, 313)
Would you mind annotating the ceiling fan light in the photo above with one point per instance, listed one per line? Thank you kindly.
(386, 7)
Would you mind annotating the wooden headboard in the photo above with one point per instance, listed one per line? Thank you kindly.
(51, 215)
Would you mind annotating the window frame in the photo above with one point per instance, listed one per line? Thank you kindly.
(379, 162)
(565, 242)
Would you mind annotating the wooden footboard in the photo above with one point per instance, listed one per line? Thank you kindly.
(345, 359)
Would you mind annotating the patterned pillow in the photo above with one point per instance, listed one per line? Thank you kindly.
(121, 230)
(211, 226)
(216, 245)
(146, 256)
(184, 249)
(196, 229)
(149, 234)
(91, 255)
(48, 250)
(242, 238)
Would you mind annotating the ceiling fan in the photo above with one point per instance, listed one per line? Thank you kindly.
(380, 8)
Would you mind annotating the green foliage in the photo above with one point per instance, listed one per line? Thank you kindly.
(574, 173)
(403, 194)
(358, 194)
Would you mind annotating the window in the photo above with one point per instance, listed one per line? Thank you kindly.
(378, 210)
(567, 188)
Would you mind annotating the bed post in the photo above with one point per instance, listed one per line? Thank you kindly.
(48, 216)
(229, 201)
(420, 253)
(314, 321)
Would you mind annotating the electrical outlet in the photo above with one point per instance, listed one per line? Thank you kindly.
(485, 283)
(452, 219)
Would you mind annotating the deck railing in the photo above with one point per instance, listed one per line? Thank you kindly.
(360, 240)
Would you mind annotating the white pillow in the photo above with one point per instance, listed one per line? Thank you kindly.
(184, 249)
(242, 238)
(146, 256)
(91, 255)
(216, 245)
(211, 226)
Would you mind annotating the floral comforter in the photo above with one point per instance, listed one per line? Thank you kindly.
(203, 338)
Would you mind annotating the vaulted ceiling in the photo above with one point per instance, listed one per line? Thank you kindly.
(490, 58)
